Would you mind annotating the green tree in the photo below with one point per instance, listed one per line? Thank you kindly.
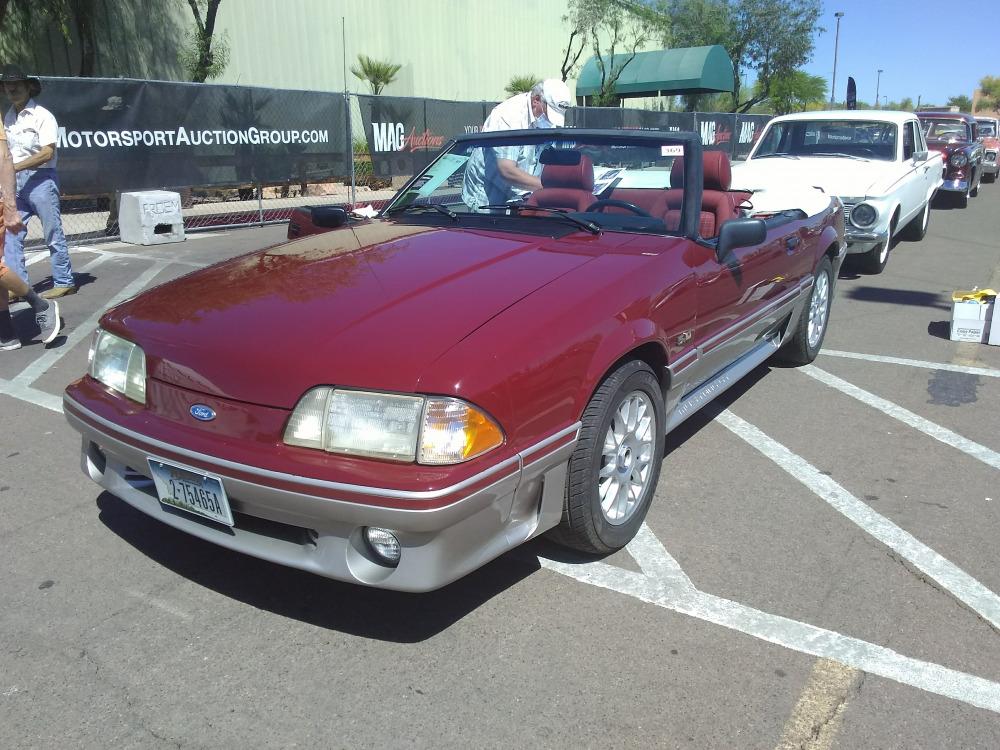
(961, 101)
(67, 15)
(521, 84)
(378, 73)
(990, 89)
(207, 53)
(768, 38)
(795, 92)
(614, 31)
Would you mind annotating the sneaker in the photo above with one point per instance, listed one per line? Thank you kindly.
(9, 346)
(57, 291)
(48, 322)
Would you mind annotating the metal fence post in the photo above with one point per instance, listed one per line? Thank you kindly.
(260, 203)
(350, 144)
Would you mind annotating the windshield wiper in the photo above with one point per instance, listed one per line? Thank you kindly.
(419, 207)
(842, 156)
(558, 212)
(776, 153)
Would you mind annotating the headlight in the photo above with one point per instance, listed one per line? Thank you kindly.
(958, 159)
(119, 364)
(863, 215)
(425, 429)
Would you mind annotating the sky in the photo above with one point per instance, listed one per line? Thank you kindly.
(923, 48)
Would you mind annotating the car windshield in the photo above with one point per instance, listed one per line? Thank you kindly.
(862, 139)
(987, 129)
(945, 129)
(583, 181)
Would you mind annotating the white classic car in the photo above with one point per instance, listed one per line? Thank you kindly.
(877, 162)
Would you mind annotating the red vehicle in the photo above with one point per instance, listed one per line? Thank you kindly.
(955, 135)
(398, 401)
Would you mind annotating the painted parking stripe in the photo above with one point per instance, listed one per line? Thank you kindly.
(655, 561)
(817, 715)
(907, 417)
(782, 631)
(985, 372)
(949, 576)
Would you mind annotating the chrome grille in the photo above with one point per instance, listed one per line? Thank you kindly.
(848, 207)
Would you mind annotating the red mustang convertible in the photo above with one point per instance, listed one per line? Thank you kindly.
(499, 354)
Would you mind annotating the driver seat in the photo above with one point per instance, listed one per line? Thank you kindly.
(718, 203)
(569, 186)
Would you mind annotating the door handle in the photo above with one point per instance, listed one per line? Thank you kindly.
(791, 243)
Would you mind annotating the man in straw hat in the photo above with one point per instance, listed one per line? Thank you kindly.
(31, 135)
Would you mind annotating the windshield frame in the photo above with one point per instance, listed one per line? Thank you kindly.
(927, 122)
(689, 142)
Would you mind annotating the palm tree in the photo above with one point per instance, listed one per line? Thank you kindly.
(378, 73)
(521, 84)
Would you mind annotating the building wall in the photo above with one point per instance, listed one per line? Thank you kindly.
(449, 49)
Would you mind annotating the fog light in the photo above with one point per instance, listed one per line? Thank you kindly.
(383, 544)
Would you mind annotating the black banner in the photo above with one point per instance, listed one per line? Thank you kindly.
(852, 93)
(748, 130)
(404, 133)
(121, 134)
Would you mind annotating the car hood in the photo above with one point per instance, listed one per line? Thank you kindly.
(836, 176)
(368, 306)
(947, 147)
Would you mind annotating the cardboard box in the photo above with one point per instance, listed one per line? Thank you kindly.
(971, 321)
(994, 338)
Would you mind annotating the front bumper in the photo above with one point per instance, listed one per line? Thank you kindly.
(861, 241)
(990, 165)
(955, 186)
(507, 505)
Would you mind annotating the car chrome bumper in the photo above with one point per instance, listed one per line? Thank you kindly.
(955, 186)
(324, 536)
(861, 241)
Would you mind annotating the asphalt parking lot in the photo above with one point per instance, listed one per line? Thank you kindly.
(819, 568)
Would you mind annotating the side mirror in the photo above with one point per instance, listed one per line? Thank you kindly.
(920, 156)
(737, 233)
(329, 217)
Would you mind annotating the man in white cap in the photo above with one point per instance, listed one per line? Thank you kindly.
(493, 176)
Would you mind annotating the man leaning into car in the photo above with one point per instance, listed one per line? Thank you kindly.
(492, 175)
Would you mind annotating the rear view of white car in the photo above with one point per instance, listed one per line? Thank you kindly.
(876, 162)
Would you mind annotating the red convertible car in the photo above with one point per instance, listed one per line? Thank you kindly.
(499, 354)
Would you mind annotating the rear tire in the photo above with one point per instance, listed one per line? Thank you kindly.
(917, 228)
(991, 177)
(810, 330)
(616, 463)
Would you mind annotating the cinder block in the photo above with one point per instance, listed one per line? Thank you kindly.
(151, 217)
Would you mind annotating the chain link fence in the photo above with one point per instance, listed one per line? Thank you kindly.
(242, 156)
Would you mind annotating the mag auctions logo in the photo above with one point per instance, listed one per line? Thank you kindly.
(392, 136)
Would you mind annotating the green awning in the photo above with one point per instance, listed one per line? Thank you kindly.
(689, 70)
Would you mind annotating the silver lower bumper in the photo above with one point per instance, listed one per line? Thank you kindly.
(325, 536)
(859, 241)
(954, 186)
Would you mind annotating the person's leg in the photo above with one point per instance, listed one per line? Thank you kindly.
(46, 313)
(13, 253)
(44, 198)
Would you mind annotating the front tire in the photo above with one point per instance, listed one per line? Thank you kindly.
(874, 260)
(917, 228)
(616, 463)
(810, 331)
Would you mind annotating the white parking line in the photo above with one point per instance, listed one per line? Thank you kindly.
(949, 576)
(655, 561)
(907, 417)
(782, 631)
(985, 372)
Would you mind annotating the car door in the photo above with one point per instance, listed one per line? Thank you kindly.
(913, 175)
(741, 296)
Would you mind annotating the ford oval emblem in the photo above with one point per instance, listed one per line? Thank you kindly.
(203, 413)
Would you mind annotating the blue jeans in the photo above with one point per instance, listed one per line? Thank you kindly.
(38, 195)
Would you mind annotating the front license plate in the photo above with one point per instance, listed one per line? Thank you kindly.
(191, 491)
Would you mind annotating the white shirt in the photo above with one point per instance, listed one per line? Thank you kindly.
(29, 130)
(510, 114)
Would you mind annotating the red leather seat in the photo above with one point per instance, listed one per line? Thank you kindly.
(718, 204)
(566, 186)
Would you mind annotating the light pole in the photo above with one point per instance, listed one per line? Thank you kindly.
(836, 43)
(878, 80)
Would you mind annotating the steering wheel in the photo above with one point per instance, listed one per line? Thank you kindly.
(600, 205)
